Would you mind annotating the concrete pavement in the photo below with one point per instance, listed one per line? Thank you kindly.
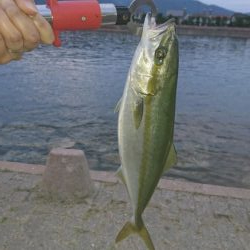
(181, 215)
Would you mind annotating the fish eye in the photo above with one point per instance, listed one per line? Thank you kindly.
(160, 54)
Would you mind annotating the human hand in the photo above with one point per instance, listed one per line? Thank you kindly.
(22, 28)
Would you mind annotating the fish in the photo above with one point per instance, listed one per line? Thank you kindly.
(146, 120)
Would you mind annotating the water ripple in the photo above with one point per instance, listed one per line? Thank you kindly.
(65, 97)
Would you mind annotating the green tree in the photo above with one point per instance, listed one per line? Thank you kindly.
(218, 21)
(160, 18)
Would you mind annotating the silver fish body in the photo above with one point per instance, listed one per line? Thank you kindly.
(146, 120)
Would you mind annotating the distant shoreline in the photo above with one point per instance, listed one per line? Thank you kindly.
(196, 31)
(213, 31)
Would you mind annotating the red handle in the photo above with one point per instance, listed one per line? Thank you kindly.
(74, 15)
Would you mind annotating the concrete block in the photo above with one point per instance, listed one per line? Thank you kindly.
(67, 175)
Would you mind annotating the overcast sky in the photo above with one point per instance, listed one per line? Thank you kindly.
(235, 5)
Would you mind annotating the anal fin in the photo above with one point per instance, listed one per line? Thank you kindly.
(120, 175)
(171, 160)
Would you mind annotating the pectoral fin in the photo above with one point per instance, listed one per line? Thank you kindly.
(138, 111)
(171, 160)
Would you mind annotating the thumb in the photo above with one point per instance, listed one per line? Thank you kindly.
(27, 6)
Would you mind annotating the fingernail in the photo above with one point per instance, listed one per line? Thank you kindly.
(31, 7)
(17, 58)
(50, 39)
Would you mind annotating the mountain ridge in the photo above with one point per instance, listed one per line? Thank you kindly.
(191, 6)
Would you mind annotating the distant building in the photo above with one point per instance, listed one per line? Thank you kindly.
(179, 15)
(200, 19)
(240, 20)
(207, 18)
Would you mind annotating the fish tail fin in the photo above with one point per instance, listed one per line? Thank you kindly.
(131, 228)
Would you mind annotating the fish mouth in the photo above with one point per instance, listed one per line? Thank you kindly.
(157, 30)
(163, 27)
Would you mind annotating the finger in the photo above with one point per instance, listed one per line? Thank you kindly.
(44, 28)
(8, 58)
(2, 46)
(12, 37)
(5, 59)
(27, 6)
(23, 23)
(5, 56)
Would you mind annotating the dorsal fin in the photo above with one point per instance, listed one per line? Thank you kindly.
(118, 106)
